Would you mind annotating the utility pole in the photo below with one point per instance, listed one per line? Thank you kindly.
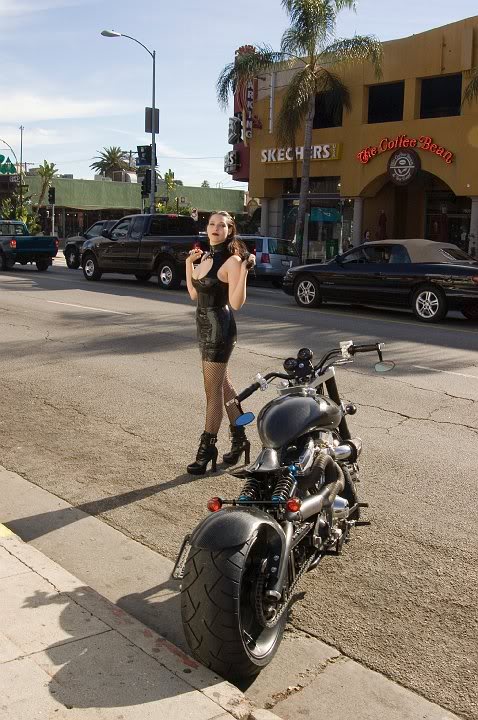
(21, 167)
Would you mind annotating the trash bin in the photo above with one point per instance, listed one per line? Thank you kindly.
(331, 248)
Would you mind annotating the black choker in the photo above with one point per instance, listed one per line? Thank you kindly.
(220, 247)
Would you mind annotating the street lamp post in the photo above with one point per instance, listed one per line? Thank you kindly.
(112, 33)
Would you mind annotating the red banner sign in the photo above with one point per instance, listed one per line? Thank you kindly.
(424, 142)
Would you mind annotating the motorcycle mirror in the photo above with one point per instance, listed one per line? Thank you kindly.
(244, 419)
(384, 366)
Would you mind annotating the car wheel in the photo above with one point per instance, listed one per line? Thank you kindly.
(307, 292)
(429, 304)
(72, 257)
(91, 269)
(42, 264)
(470, 311)
(142, 276)
(168, 276)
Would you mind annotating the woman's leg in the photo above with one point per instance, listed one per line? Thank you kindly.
(213, 374)
(233, 411)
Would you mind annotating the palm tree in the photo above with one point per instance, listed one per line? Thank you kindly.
(471, 92)
(308, 47)
(112, 159)
(47, 172)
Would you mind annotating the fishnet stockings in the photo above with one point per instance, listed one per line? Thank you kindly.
(219, 390)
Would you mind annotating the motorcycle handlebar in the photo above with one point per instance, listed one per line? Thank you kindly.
(354, 349)
(248, 391)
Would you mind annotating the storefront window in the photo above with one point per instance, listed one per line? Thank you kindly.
(448, 219)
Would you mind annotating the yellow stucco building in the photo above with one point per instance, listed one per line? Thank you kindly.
(403, 163)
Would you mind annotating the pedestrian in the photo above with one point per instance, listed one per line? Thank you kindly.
(366, 236)
(217, 284)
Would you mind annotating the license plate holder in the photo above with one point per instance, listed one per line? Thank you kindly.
(178, 569)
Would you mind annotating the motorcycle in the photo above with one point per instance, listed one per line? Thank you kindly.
(241, 565)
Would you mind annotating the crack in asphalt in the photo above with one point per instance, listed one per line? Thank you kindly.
(406, 418)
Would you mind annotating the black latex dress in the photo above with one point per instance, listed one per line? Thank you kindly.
(216, 327)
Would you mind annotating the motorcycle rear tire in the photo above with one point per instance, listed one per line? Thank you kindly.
(217, 607)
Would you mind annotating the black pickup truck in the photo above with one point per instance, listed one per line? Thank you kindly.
(18, 246)
(143, 246)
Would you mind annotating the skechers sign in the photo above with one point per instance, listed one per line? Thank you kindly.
(6, 166)
(317, 152)
(424, 142)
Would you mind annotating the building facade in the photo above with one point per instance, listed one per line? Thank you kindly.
(403, 163)
(80, 203)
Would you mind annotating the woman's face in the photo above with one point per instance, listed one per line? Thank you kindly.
(217, 229)
(367, 235)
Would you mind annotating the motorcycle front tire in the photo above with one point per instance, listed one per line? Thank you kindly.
(218, 596)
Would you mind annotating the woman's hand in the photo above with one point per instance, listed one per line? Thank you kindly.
(249, 262)
(194, 255)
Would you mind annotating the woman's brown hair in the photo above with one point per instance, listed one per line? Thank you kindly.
(235, 245)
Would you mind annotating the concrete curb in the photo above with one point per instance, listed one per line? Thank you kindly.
(190, 671)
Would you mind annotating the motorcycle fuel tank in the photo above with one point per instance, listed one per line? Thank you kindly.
(287, 417)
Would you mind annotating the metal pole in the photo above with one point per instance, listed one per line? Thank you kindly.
(21, 167)
(153, 140)
(52, 219)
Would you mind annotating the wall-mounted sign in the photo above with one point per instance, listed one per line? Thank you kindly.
(231, 162)
(6, 166)
(403, 166)
(331, 151)
(424, 142)
(249, 109)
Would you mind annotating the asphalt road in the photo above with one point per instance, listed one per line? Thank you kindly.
(102, 403)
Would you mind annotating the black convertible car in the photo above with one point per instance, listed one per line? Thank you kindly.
(428, 277)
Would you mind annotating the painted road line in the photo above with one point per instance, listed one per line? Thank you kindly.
(86, 307)
(446, 372)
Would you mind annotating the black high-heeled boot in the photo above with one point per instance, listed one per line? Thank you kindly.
(207, 452)
(240, 444)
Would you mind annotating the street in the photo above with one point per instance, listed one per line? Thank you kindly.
(103, 405)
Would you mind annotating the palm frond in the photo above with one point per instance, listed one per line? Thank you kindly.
(295, 104)
(312, 23)
(246, 67)
(331, 93)
(471, 92)
(360, 48)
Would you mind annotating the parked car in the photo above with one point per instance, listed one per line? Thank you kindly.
(428, 277)
(274, 256)
(73, 245)
(18, 246)
(143, 245)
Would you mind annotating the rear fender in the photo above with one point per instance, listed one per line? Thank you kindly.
(235, 526)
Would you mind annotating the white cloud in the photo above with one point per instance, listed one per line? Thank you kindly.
(33, 137)
(27, 107)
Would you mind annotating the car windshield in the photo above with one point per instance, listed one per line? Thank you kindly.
(7, 228)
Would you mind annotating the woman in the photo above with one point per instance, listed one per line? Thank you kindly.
(218, 284)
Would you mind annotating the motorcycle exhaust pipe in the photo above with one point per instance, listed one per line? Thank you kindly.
(349, 450)
(334, 484)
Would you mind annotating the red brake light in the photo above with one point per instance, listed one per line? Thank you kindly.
(475, 279)
(56, 244)
(265, 258)
(293, 504)
(214, 504)
(13, 243)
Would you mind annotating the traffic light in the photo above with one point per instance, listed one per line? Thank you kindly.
(146, 183)
(51, 195)
(144, 155)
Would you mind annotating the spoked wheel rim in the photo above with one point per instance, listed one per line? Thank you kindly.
(258, 641)
(306, 292)
(166, 275)
(89, 267)
(427, 304)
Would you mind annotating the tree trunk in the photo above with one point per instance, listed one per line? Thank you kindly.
(304, 185)
(294, 165)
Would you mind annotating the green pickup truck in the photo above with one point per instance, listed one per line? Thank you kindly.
(18, 246)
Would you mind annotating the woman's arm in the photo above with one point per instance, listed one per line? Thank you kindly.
(237, 279)
(194, 255)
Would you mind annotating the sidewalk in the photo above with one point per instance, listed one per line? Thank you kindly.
(64, 647)
(111, 645)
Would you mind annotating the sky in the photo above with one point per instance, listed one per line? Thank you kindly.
(76, 92)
